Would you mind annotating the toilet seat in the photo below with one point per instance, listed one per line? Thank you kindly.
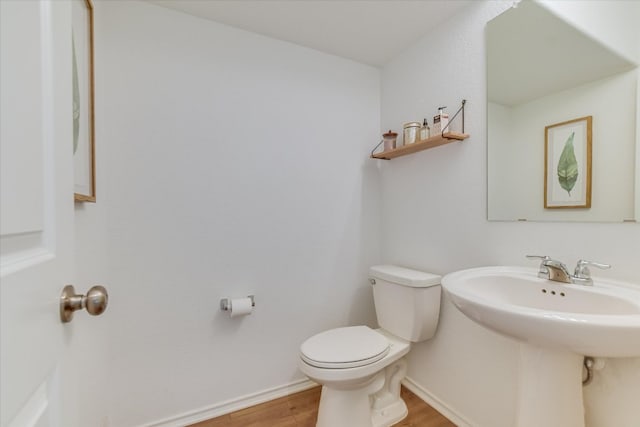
(343, 348)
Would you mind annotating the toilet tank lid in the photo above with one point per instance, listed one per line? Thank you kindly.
(404, 276)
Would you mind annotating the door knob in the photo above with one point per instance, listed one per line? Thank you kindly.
(95, 302)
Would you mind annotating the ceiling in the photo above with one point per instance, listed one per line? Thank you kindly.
(367, 31)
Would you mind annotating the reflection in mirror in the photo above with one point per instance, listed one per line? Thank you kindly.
(543, 71)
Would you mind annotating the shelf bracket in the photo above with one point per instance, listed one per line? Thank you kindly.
(461, 109)
(376, 147)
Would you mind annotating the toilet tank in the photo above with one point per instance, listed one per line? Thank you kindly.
(407, 301)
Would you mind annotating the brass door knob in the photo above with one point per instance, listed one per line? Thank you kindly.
(95, 302)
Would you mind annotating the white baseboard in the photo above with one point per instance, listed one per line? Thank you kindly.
(232, 405)
(436, 403)
(246, 401)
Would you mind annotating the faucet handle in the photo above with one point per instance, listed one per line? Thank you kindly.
(543, 271)
(582, 268)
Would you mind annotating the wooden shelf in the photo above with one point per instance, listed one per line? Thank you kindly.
(424, 144)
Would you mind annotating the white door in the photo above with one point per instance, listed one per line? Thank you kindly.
(36, 213)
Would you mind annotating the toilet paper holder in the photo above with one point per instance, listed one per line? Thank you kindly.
(225, 303)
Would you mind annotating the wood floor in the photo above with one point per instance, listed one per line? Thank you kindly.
(301, 409)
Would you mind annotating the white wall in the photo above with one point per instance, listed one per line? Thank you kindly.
(434, 218)
(235, 165)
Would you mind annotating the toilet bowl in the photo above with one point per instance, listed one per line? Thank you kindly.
(359, 368)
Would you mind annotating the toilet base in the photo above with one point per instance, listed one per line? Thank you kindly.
(392, 414)
(376, 402)
(348, 408)
(387, 407)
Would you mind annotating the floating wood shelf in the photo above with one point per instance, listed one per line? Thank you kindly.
(424, 144)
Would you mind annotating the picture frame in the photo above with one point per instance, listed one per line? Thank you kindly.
(567, 165)
(83, 101)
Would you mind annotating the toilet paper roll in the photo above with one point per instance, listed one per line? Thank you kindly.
(240, 307)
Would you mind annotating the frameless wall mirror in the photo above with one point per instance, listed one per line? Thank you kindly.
(543, 72)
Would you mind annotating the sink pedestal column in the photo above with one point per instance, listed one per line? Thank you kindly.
(550, 388)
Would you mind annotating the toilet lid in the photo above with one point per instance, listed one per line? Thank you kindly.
(344, 348)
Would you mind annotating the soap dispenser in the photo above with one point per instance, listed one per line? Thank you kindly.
(440, 121)
(425, 131)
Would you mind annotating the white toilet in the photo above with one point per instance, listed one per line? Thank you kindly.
(360, 368)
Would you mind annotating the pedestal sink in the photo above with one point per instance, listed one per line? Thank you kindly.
(557, 324)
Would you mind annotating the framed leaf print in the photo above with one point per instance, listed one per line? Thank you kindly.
(83, 114)
(567, 166)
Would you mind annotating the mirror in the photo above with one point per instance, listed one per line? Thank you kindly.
(542, 72)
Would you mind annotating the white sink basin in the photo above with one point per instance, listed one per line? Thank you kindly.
(557, 325)
(602, 320)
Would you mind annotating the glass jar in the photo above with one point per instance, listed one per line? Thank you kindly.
(389, 140)
(411, 132)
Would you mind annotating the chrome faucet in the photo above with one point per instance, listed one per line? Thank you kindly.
(552, 269)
